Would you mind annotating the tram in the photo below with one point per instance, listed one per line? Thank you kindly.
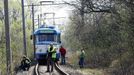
(43, 37)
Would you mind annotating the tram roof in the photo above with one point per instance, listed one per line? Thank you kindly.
(43, 30)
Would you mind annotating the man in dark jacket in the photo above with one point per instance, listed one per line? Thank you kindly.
(81, 58)
(25, 63)
(63, 53)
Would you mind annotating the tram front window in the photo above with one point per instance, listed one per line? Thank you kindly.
(46, 37)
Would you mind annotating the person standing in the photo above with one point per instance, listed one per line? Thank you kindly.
(63, 53)
(81, 58)
(51, 56)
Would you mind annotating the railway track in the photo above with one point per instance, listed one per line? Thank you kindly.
(36, 69)
(40, 70)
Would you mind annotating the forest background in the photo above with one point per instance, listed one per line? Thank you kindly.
(104, 28)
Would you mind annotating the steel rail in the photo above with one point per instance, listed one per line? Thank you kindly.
(57, 68)
(60, 71)
(36, 69)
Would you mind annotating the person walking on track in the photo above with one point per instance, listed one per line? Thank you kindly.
(81, 58)
(63, 53)
(51, 56)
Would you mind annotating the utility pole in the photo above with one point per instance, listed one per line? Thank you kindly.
(33, 28)
(24, 32)
(7, 33)
(38, 21)
(53, 19)
(33, 16)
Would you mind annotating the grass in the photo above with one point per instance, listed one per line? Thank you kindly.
(88, 71)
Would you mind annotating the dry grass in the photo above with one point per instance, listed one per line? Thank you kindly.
(92, 72)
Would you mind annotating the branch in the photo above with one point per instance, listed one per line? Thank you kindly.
(71, 4)
(97, 10)
(90, 7)
(101, 10)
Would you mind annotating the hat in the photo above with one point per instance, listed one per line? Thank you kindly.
(24, 56)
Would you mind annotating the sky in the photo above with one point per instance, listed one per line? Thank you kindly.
(61, 12)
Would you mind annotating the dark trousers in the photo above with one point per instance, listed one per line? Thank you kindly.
(81, 62)
(50, 62)
(25, 67)
(63, 61)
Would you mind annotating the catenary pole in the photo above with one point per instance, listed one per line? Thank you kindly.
(33, 27)
(7, 33)
(53, 19)
(24, 30)
(38, 21)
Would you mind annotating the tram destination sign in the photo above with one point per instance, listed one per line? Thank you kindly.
(46, 31)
